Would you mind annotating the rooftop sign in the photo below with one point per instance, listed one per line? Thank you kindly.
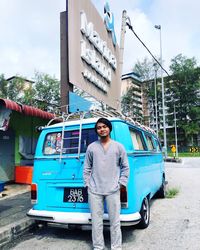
(109, 21)
(93, 53)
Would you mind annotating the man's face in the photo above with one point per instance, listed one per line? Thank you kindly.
(102, 130)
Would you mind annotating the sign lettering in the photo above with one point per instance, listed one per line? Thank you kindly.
(109, 21)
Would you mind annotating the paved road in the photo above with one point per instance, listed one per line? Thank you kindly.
(174, 225)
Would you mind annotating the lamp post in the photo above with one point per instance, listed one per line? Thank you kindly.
(155, 90)
(175, 131)
(163, 93)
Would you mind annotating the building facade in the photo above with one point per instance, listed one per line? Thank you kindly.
(132, 81)
(18, 138)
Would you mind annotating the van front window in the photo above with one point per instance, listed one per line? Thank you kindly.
(53, 141)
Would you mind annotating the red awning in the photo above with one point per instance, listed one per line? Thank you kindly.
(31, 111)
(10, 105)
(25, 109)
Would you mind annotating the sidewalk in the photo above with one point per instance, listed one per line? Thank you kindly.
(15, 201)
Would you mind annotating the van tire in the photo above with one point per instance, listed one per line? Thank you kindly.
(161, 193)
(145, 214)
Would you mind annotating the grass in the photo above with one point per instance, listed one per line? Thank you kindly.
(185, 154)
(171, 193)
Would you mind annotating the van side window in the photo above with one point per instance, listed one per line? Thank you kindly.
(150, 143)
(137, 140)
(158, 145)
(53, 141)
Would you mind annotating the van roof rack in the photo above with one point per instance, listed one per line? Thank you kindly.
(90, 114)
(96, 113)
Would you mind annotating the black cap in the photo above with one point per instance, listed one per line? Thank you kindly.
(104, 121)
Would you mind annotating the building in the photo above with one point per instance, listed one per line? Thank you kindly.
(144, 103)
(132, 80)
(173, 131)
(18, 138)
(24, 84)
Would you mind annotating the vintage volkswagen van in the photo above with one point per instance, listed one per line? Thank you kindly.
(57, 191)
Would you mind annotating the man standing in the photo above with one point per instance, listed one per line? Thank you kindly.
(105, 171)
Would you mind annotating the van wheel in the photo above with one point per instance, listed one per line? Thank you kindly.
(145, 214)
(161, 193)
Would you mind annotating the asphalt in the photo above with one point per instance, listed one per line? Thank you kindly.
(15, 201)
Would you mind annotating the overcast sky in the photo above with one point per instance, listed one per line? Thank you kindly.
(30, 32)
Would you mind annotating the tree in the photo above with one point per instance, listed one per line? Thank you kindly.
(14, 89)
(3, 87)
(47, 91)
(146, 69)
(43, 93)
(182, 90)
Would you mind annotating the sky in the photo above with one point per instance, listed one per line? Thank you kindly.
(30, 33)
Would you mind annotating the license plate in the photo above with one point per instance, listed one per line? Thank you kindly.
(75, 195)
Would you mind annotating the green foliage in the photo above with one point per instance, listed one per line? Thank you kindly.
(3, 87)
(43, 93)
(12, 89)
(182, 91)
(145, 69)
(47, 91)
(171, 193)
(185, 154)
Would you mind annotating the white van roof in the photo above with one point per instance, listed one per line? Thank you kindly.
(84, 121)
(75, 118)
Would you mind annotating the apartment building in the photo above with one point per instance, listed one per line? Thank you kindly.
(132, 80)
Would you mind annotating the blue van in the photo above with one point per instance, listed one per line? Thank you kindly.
(57, 191)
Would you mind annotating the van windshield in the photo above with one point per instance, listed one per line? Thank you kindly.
(53, 141)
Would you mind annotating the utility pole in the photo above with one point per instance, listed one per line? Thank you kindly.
(163, 93)
(121, 55)
(156, 102)
(175, 131)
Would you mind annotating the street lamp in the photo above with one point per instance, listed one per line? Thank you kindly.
(163, 93)
(175, 131)
(155, 89)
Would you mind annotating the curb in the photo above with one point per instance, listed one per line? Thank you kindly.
(12, 231)
(177, 160)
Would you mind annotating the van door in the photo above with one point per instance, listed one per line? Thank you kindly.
(61, 176)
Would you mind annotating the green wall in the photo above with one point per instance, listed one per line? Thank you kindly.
(26, 126)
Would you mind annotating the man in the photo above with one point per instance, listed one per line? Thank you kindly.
(105, 171)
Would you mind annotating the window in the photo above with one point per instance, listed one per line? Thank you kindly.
(27, 146)
(158, 145)
(150, 143)
(53, 141)
(137, 140)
